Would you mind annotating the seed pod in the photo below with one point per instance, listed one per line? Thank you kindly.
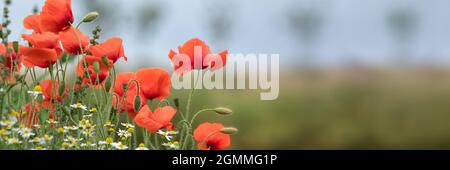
(16, 46)
(137, 103)
(223, 111)
(91, 16)
(108, 83)
(65, 58)
(96, 66)
(229, 130)
(105, 60)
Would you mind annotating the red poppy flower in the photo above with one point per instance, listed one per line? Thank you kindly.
(44, 50)
(32, 22)
(156, 120)
(205, 55)
(30, 118)
(112, 48)
(42, 40)
(32, 109)
(74, 41)
(92, 79)
(56, 15)
(49, 92)
(209, 138)
(11, 58)
(154, 82)
(122, 79)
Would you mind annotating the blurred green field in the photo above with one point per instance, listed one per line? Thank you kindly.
(340, 109)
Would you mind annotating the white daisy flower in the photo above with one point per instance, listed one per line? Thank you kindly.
(88, 144)
(172, 145)
(123, 133)
(51, 121)
(141, 147)
(167, 134)
(73, 128)
(88, 132)
(127, 125)
(87, 116)
(37, 126)
(79, 106)
(13, 140)
(119, 145)
(26, 132)
(6, 123)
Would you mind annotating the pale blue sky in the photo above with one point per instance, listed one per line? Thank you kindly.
(352, 29)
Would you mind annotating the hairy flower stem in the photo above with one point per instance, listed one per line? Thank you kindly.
(188, 105)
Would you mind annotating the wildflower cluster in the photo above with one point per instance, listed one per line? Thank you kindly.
(52, 110)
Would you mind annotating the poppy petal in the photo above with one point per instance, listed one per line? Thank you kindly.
(40, 57)
(155, 83)
(56, 15)
(74, 41)
(112, 48)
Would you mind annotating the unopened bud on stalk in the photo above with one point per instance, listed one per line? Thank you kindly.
(96, 66)
(223, 111)
(16, 46)
(137, 103)
(105, 60)
(91, 16)
(177, 102)
(229, 130)
(108, 83)
(62, 88)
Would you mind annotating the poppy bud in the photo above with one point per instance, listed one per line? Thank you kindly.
(223, 111)
(62, 88)
(108, 83)
(228, 130)
(105, 60)
(96, 66)
(65, 57)
(177, 102)
(16, 46)
(137, 103)
(91, 16)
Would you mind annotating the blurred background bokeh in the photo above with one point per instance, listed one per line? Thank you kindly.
(370, 74)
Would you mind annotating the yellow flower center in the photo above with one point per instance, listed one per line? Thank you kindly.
(15, 113)
(46, 137)
(93, 110)
(37, 88)
(2, 131)
(109, 140)
(60, 130)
